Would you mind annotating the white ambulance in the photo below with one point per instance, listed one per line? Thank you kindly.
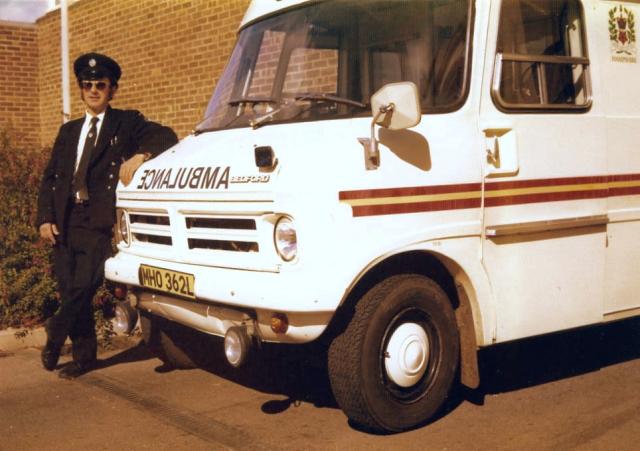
(408, 181)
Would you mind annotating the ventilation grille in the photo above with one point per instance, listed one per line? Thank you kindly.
(222, 234)
(221, 223)
(152, 228)
(149, 219)
(233, 246)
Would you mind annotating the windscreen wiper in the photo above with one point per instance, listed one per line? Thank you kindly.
(255, 123)
(329, 98)
(240, 101)
(251, 101)
(258, 121)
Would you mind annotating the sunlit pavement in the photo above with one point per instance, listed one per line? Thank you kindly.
(575, 390)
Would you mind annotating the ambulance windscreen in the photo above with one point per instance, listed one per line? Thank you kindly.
(325, 60)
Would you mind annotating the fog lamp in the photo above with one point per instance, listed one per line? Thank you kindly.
(125, 319)
(236, 346)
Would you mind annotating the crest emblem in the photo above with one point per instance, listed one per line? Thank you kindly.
(92, 62)
(622, 34)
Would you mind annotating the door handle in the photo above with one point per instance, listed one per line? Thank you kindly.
(501, 151)
(493, 152)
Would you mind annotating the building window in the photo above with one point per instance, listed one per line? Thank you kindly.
(541, 58)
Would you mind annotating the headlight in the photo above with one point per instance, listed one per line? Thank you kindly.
(122, 227)
(284, 237)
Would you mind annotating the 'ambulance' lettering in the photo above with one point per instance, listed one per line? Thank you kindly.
(194, 178)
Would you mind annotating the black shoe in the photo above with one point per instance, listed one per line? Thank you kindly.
(49, 356)
(75, 369)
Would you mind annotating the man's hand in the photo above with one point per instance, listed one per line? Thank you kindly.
(129, 167)
(48, 232)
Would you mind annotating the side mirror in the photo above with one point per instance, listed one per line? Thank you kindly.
(395, 106)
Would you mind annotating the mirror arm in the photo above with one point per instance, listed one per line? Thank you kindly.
(371, 151)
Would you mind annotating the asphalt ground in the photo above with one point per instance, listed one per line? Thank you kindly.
(576, 390)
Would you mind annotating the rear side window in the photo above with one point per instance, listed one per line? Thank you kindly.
(541, 59)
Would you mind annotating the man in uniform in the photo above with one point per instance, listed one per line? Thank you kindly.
(76, 204)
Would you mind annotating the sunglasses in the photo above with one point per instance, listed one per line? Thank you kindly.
(99, 85)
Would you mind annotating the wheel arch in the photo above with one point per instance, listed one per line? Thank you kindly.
(449, 275)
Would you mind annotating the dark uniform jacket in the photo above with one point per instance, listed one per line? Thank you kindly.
(123, 134)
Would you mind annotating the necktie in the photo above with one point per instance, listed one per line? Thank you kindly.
(79, 185)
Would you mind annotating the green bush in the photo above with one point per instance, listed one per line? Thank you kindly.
(27, 287)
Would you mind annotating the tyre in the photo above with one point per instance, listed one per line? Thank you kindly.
(394, 365)
(167, 341)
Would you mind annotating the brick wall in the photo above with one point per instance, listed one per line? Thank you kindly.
(172, 53)
(309, 70)
(312, 70)
(19, 112)
(267, 64)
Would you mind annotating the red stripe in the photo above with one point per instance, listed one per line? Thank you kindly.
(624, 177)
(624, 191)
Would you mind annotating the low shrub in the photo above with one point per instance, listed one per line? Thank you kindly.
(27, 287)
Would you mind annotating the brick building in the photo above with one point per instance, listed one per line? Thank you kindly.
(171, 52)
(19, 106)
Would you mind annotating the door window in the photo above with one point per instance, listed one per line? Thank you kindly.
(541, 59)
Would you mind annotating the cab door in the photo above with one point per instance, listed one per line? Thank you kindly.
(544, 191)
(620, 68)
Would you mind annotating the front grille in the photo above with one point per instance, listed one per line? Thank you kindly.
(197, 236)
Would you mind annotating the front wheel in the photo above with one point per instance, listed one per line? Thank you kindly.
(394, 365)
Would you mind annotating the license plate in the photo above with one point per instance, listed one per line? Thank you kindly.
(172, 282)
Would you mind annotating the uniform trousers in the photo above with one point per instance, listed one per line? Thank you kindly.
(79, 258)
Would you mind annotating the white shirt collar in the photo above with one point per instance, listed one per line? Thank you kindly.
(100, 116)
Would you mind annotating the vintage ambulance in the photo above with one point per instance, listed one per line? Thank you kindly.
(405, 181)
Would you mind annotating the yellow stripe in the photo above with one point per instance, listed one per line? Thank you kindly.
(489, 194)
(630, 184)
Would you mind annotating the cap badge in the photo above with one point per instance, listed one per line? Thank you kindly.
(92, 62)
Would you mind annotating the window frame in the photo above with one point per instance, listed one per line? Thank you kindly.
(540, 62)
